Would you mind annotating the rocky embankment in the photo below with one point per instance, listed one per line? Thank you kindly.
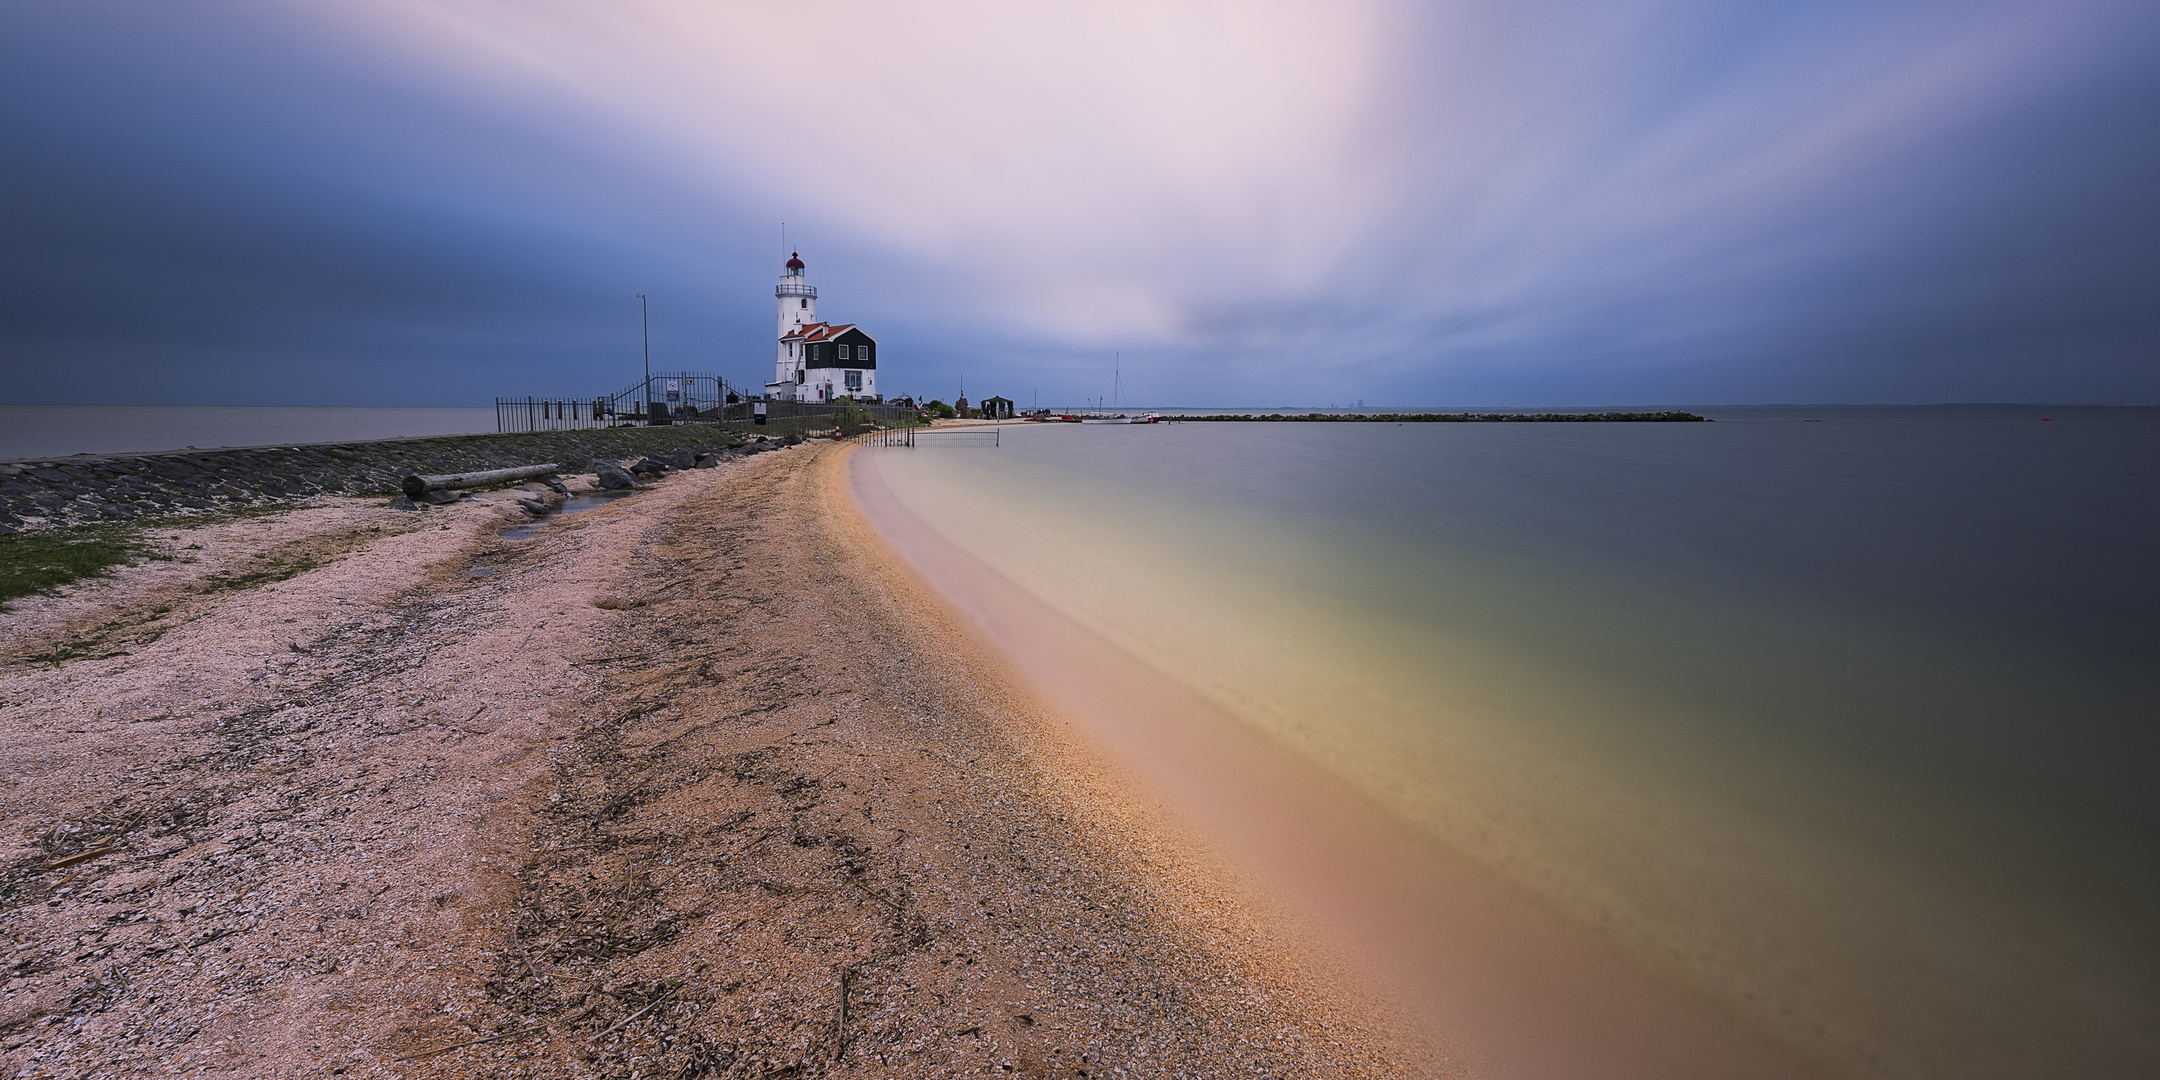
(86, 489)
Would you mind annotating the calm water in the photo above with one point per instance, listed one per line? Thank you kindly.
(1845, 717)
(28, 431)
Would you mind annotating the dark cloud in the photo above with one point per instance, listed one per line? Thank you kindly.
(1578, 203)
(204, 218)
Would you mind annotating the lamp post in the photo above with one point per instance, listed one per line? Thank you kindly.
(645, 321)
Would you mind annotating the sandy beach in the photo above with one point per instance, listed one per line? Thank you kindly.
(699, 782)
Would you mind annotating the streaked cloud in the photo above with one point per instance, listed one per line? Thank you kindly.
(1257, 202)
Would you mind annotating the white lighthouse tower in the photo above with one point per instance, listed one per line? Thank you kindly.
(818, 361)
(797, 301)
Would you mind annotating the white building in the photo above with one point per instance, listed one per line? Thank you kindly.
(818, 361)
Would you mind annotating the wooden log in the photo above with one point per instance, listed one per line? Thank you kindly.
(417, 486)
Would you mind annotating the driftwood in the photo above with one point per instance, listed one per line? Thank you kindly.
(417, 486)
(473, 1042)
(80, 856)
(654, 1004)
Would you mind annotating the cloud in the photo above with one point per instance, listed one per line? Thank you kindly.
(1055, 149)
(1401, 202)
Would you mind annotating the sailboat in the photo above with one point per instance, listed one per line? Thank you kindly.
(1117, 386)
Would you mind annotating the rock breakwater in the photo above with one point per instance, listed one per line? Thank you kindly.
(87, 489)
(1668, 416)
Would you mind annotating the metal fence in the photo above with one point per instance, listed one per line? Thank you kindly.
(792, 417)
(686, 397)
(666, 397)
(549, 414)
(906, 436)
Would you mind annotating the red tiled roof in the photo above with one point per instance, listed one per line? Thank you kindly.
(817, 331)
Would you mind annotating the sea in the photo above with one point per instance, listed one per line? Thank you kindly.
(50, 431)
(1845, 719)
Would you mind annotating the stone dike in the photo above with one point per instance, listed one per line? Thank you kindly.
(87, 489)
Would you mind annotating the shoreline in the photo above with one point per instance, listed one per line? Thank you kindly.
(698, 780)
(1494, 980)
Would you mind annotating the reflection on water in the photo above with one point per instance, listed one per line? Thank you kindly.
(583, 500)
(1845, 722)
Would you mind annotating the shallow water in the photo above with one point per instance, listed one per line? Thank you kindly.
(575, 502)
(1841, 717)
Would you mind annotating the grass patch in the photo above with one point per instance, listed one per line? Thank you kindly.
(120, 627)
(34, 563)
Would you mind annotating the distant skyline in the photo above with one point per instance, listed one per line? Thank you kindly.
(432, 202)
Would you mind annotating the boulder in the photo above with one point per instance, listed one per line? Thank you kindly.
(404, 502)
(612, 477)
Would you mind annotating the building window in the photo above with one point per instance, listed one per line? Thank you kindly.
(843, 352)
(791, 350)
(805, 302)
(862, 353)
(854, 379)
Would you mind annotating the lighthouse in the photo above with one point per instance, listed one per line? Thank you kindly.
(817, 361)
(797, 301)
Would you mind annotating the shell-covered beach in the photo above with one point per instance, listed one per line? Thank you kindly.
(694, 783)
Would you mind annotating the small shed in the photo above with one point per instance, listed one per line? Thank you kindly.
(997, 408)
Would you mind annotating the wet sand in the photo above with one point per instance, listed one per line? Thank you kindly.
(1494, 984)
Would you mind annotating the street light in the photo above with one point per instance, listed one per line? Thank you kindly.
(645, 319)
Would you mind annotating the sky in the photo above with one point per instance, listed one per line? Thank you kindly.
(1254, 204)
